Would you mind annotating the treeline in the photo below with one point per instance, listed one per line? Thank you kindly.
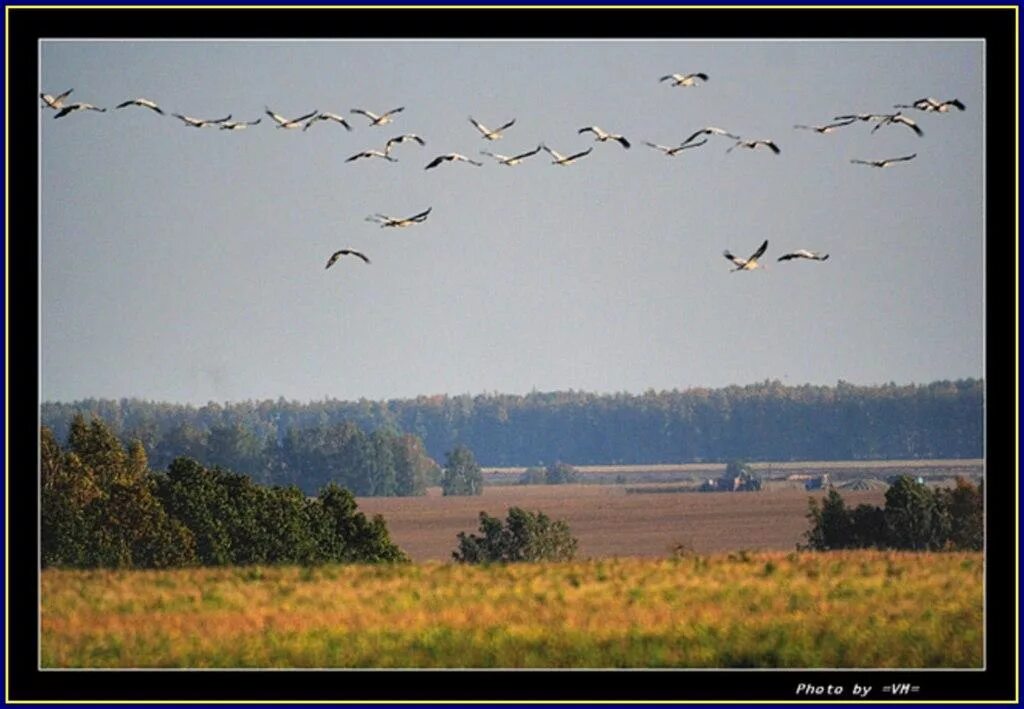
(914, 516)
(767, 421)
(102, 506)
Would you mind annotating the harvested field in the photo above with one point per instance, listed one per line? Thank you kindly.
(608, 522)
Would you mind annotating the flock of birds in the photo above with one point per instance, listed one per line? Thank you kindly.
(698, 138)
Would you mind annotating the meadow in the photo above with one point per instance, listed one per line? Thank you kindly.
(740, 609)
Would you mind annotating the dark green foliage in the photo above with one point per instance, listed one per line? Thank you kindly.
(914, 517)
(525, 536)
(462, 474)
(966, 511)
(103, 507)
(98, 506)
(560, 473)
(765, 421)
(911, 516)
(344, 534)
(830, 524)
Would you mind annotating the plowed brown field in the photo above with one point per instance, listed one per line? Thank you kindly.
(608, 522)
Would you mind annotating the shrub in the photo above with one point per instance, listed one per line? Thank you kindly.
(525, 536)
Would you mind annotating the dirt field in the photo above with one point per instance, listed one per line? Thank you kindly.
(608, 522)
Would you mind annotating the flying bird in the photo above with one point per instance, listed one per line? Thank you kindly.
(684, 79)
(560, 159)
(754, 144)
(403, 139)
(933, 104)
(72, 107)
(862, 117)
(487, 132)
(451, 156)
(513, 160)
(602, 136)
(673, 151)
(239, 125)
(201, 122)
(747, 264)
(885, 162)
(803, 253)
(323, 116)
(898, 118)
(371, 154)
(711, 130)
(345, 252)
(380, 120)
(828, 128)
(289, 123)
(144, 102)
(54, 102)
(384, 220)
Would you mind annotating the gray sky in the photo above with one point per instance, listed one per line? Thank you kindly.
(187, 265)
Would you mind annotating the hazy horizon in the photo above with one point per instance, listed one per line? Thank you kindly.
(186, 265)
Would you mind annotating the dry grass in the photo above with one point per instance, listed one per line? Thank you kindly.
(841, 609)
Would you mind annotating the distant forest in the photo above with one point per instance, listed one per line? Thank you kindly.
(279, 442)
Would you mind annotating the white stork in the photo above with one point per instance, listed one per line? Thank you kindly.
(201, 122)
(397, 140)
(54, 102)
(144, 102)
(345, 252)
(898, 118)
(239, 125)
(862, 117)
(564, 160)
(384, 220)
(673, 151)
(885, 162)
(324, 116)
(752, 144)
(456, 157)
(371, 154)
(378, 120)
(933, 104)
(803, 253)
(684, 79)
(747, 264)
(288, 123)
(602, 136)
(827, 128)
(489, 134)
(72, 107)
(514, 159)
(710, 130)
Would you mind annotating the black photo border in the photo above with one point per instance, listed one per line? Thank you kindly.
(998, 682)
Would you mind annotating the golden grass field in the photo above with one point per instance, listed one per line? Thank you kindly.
(609, 522)
(763, 609)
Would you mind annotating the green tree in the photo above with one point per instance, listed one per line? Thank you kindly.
(414, 469)
(525, 536)
(462, 474)
(963, 506)
(98, 504)
(867, 527)
(560, 473)
(830, 523)
(343, 534)
(195, 496)
(911, 517)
